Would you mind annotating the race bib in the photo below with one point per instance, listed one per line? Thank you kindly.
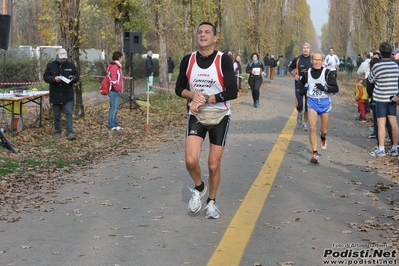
(256, 71)
(313, 91)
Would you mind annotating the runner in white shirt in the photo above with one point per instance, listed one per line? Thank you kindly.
(331, 62)
(365, 65)
(207, 80)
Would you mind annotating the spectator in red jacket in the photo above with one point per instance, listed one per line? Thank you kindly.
(116, 76)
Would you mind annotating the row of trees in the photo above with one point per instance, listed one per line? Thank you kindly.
(273, 26)
(168, 26)
(365, 22)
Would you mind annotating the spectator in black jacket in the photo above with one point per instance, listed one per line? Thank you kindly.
(266, 62)
(349, 67)
(359, 61)
(171, 66)
(273, 65)
(149, 71)
(61, 74)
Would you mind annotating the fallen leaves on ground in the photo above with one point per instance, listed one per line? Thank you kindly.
(43, 163)
(32, 188)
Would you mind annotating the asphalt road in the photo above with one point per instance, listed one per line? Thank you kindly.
(133, 210)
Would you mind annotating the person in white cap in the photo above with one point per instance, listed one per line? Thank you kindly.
(61, 74)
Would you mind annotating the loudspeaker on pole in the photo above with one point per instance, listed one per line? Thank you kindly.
(5, 22)
(132, 42)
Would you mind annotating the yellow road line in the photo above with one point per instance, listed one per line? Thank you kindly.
(232, 246)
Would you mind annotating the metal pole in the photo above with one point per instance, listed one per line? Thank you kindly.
(131, 82)
(10, 10)
(148, 105)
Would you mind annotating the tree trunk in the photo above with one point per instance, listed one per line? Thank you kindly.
(163, 64)
(69, 24)
(161, 29)
(119, 34)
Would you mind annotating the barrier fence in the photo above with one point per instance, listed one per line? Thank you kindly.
(161, 88)
(94, 76)
(42, 82)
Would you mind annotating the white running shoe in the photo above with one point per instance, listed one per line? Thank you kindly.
(315, 158)
(305, 127)
(378, 152)
(324, 145)
(212, 211)
(393, 152)
(195, 204)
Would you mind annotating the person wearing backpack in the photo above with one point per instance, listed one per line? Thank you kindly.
(349, 67)
(116, 77)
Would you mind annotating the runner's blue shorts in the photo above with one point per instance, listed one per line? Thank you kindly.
(320, 105)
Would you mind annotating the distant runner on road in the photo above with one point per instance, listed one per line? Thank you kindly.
(297, 69)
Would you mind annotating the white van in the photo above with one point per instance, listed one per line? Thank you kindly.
(46, 52)
(92, 55)
(154, 56)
